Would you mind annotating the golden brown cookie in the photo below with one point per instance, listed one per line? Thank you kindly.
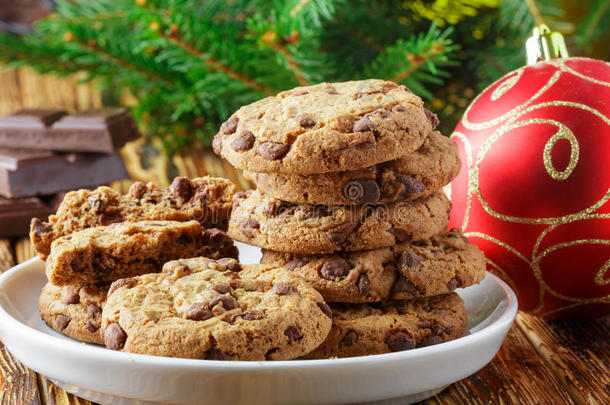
(74, 310)
(404, 271)
(107, 253)
(217, 310)
(412, 176)
(365, 329)
(205, 199)
(324, 128)
(287, 227)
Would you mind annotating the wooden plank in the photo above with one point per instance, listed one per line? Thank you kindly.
(517, 375)
(18, 383)
(7, 260)
(578, 353)
(24, 250)
(53, 395)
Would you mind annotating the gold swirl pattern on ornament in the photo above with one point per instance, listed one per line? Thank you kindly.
(509, 114)
(555, 310)
(506, 85)
(469, 163)
(563, 133)
(600, 276)
(587, 213)
(536, 267)
(560, 63)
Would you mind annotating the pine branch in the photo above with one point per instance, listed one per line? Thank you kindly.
(531, 5)
(270, 38)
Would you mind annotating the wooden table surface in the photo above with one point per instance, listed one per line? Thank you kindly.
(539, 363)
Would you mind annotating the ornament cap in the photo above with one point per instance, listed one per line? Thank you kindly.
(545, 45)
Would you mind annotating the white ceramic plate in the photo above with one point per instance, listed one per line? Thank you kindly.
(111, 377)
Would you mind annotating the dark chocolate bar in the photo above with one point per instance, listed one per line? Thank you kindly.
(16, 214)
(28, 173)
(105, 130)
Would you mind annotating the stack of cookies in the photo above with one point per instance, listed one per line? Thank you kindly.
(349, 179)
(99, 238)
(145, 273)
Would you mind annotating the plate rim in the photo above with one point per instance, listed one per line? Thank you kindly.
(94, 352)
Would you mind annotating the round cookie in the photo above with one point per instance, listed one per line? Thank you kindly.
(286, 227)
(218, 310)
(324, 128)
(74, 310)
(365, 329)
(404, 271)
(413, 176)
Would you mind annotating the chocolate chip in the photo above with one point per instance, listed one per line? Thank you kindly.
(402, 285)
(299, 92)
(335, 268)
(199, 311)
(399, 108)
(181, 187)
(250, 315)
(326, 309)
(432, 118)
(283, 208)
(320, 211)
(93, 310)
(215, 354)
(305, 120)
(137, 190)
(91, 327)
(405, 88)
(114, 336)
(284, 288)
(215, 238)
(293, 333)
(62, 321)
(270, 352)
(248, 226)
(227, 302)
(217, 144)
(363, 284)
(222, 288)
(273, 150)
(107, 218)
(72, 299)
(229, 126)
(439, 329)
(40, 227)
(231, 264)
(295, 263)
(362, 191)
(345, 123)
(364, 124)
(453, 284)
(399, 340)
(430, 340)
(122, 282)
(330, 90)
(243, 141)
(409, 259)
(410, 184)
(339, 234)
(350, 338)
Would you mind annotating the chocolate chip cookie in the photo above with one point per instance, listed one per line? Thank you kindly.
(287, 227)
(217, 310)
(412, 176)
(325, 128)
(107, 253)
(206, 199)
(74, 310)
(404, 271)
(365, 329)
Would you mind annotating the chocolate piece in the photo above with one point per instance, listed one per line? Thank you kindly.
(293, 333)
(199, 311)
(339, 234)
(335, 268)
(222, 288)
(350, 338)
(243, 141)
(227, 302)
(363, 284)
(104, 130)
(305, 120)
(28, 173)
(399, 340)
(16, 214)
(273, 150)
(326, 309)
(362, 191)
(284, 288)
(230, 126)
(364, 124)
(114, 337)
(62, 321)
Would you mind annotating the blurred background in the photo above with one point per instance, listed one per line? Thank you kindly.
(183, 66)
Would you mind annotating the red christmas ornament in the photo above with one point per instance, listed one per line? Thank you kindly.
(534, 189)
